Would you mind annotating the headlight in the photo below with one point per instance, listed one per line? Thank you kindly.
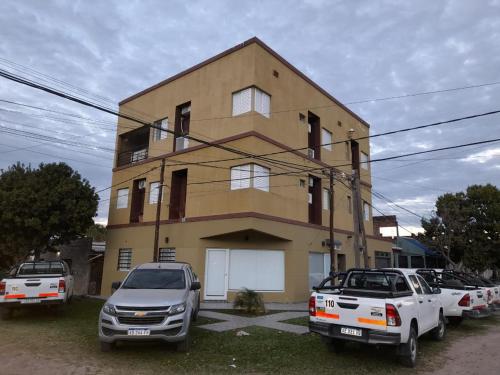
(109, 309)
(177, 309)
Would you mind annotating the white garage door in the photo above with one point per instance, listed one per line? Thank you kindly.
(262, 270)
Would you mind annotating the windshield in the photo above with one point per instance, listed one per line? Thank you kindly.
(155, 279)
(49, 268)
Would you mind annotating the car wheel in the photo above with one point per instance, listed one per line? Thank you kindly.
(408, 351)
(183, 346)
(5, 313)
(439, 332)
(455, 320)
(107, 346)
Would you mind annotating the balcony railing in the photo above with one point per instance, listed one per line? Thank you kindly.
(132, 156)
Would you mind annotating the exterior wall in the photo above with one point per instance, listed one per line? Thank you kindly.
(191, 239)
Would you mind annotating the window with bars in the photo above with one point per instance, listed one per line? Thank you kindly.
(250, 99)
(122, 198)
(166, 254)
(124, 259)
(159, 134)
(250, 175)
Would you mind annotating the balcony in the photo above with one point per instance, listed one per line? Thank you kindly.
(133, 146)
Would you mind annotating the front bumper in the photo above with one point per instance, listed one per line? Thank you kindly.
(369, 336)
(174, 328)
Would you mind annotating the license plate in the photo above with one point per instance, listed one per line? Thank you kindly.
(138, 332)
(31, 300)
(350, 331)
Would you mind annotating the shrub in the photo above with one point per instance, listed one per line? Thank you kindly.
(249, 301)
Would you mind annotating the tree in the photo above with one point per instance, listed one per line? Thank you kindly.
(97, 232)
(466, 227)
(42, 208)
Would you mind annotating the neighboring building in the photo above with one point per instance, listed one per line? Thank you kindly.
(248, 227)
(414, 254)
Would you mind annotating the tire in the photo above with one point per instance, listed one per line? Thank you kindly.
(183, 346)
(439, 332)
(107, 346)
(408, 351)
(455, 320)
(5, 313)
(196, 311)
(334, 345)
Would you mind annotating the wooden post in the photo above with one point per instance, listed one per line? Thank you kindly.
(332, 237)
(158, 211)
(355, 218)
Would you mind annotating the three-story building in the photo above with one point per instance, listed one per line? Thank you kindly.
(241, 221)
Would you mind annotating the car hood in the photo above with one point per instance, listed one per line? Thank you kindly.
(148, 297)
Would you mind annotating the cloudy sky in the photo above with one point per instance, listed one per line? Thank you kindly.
(356, 50)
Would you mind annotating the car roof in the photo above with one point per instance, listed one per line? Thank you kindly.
(163, 266)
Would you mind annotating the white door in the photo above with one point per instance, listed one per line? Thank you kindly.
(216, 274)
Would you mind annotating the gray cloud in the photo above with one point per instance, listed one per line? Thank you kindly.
(355, 50)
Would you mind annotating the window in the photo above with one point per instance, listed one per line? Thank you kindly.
(302, 118)
(326, 199)
(427, 289)
(326, 139)
(159, 134)
(347, 151)
(124, 259)
(366, 211)
(364, 161)
(349, 204)
(250, 175)
(415, 284)
(302, 183)
(251, 98)
(319, 268)
(154, 192)
(166, 255)
(122, 198)
(262, 270)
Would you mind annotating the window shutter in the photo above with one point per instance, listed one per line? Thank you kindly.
(326, 199)
(122, 198)
(326, 139)
(240, 177)
(261, 177)
(262, 102)
(242, 101)
(154, 191)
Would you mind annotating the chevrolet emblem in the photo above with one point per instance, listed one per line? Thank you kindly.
(140, 314)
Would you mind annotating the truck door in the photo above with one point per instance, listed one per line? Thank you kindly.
(424, 305)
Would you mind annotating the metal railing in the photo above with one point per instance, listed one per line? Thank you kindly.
(132, 156)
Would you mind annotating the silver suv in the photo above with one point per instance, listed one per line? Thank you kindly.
(156, 301)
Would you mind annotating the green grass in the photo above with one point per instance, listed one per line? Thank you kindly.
(72, 335)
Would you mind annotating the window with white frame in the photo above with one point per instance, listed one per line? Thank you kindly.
(124, 259)
(166, 254)
(364, 161)
(160, 130)
(154, 192)
(326, 199)
(250, 176)
(349, 204)
(122, 198)
(366, 211)
(249, 99)
(326, 139)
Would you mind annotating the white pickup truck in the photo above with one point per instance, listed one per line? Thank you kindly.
(35, 283)
(459, 301)
(380, 307)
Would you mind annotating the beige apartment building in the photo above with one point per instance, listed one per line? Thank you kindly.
(240, 221)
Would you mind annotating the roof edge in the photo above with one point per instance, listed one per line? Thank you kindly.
(234, 49)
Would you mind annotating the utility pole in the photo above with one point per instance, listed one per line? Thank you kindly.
(158, 210)
(332, 237)
(361, 220)
(355, 218)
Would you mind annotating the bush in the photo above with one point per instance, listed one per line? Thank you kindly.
(249, 301)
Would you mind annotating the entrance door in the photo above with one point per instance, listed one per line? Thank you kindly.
(216, 265)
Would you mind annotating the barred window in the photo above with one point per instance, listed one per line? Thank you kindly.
(166, 255)
(124, 259)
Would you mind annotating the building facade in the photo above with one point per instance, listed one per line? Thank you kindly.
(240, 221)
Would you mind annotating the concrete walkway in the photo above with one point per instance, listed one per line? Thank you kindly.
(302, 306)
(272, 321)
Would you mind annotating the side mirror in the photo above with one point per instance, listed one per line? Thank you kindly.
(115, 285)
(436, 290)
(195, 285)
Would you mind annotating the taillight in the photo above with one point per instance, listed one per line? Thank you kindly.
(312, 306)
(465, 301)
(2, 288)
(62, 286)
(392, 315)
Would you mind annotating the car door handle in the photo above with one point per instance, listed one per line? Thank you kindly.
(420, 301)
(429, 300)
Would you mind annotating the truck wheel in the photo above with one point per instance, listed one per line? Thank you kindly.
(334, 345)
(455, 320)
(5, 313)
(408, 351)
(107, 346)
(439, 332)
(183, 346)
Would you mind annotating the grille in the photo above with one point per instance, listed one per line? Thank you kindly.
(143, 321)
(142, 308)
